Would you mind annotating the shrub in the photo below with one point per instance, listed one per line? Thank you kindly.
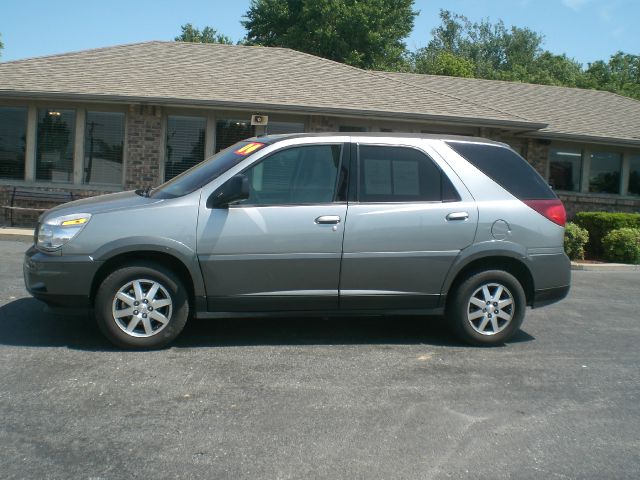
(575, 239)
(622, 245)
(598, 224)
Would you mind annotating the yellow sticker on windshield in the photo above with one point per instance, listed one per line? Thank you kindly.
(249, 148)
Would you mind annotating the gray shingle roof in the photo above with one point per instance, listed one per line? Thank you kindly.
(270, 79)
(236, 76)
(569, 112)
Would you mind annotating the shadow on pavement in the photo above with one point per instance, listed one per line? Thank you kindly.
(25, 322)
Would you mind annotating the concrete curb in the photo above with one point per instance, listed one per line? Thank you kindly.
(605, 267)
(21, 234)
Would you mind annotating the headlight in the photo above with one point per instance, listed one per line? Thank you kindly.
(57, 231)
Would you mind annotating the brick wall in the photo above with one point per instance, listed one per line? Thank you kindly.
(580, 202)
(144, 146)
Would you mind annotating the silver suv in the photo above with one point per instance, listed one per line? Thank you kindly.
(306, 224)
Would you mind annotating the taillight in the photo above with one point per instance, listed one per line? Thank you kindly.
(551, 209)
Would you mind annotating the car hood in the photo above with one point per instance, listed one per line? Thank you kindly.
(100, 204)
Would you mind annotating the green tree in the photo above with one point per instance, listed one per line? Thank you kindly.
(1, 46)
(621, 74)
(207, 35)
(363, 34)
(494, 52)
(445, 63)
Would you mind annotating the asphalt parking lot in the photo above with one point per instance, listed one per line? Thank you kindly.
(370, 398)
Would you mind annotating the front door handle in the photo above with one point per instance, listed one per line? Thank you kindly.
(458, 216)
(328, 220)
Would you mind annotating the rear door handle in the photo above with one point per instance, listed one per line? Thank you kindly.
(458, 216)
(328, 220)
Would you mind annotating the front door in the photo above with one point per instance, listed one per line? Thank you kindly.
(281, 248)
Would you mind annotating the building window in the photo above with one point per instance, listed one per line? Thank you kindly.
(229, 132)
(349, 128)
(604, 175)
(565, 166)
(13, 134)
(185, 144)
(103, 142)
(276, 128)
(54, 150)
(634, 175)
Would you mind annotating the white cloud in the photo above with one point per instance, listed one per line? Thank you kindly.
(575, 4)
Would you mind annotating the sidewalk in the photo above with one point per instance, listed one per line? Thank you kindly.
(604, 267)
(11, 233)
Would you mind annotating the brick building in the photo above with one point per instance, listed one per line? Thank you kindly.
(129, 116)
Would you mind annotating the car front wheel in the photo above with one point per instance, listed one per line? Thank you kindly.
(142, 306)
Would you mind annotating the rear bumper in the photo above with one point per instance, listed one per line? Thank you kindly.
(551, 274)
(547, 296)
(59, 281)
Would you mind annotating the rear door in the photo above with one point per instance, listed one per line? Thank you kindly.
(406, 225)
(281, 248)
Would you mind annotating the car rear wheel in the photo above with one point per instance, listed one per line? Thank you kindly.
(487, 308)
(142, 306)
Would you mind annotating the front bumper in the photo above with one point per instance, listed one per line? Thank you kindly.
(59, 281)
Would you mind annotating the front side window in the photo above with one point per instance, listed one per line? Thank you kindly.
(13, 133)
(400, 174)
(565, 167)
(294, 176)
(185, 144)
(103, 142)
(604, 176)
(634, 175)
(54, 151)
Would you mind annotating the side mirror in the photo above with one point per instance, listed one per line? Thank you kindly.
(233, 190)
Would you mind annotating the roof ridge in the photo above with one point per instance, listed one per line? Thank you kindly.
(513, 82)
(75, 52)
(462, 99)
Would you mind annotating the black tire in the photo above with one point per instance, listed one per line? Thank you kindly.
(148, 333)
(460, 308)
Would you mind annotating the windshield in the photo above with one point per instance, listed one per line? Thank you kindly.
(204, 172)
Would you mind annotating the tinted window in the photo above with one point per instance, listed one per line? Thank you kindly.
(400, 174)
(565, 168)
(185, 144)
(605, 172)
(634, 175)
(229, 132)
(54, 151)
(506, 168)
(103, 141)
(13, 133)
(298, 175)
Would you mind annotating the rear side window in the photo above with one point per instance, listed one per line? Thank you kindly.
(401, 174)
(507, 169)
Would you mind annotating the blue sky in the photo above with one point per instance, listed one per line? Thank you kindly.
(586, 30)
